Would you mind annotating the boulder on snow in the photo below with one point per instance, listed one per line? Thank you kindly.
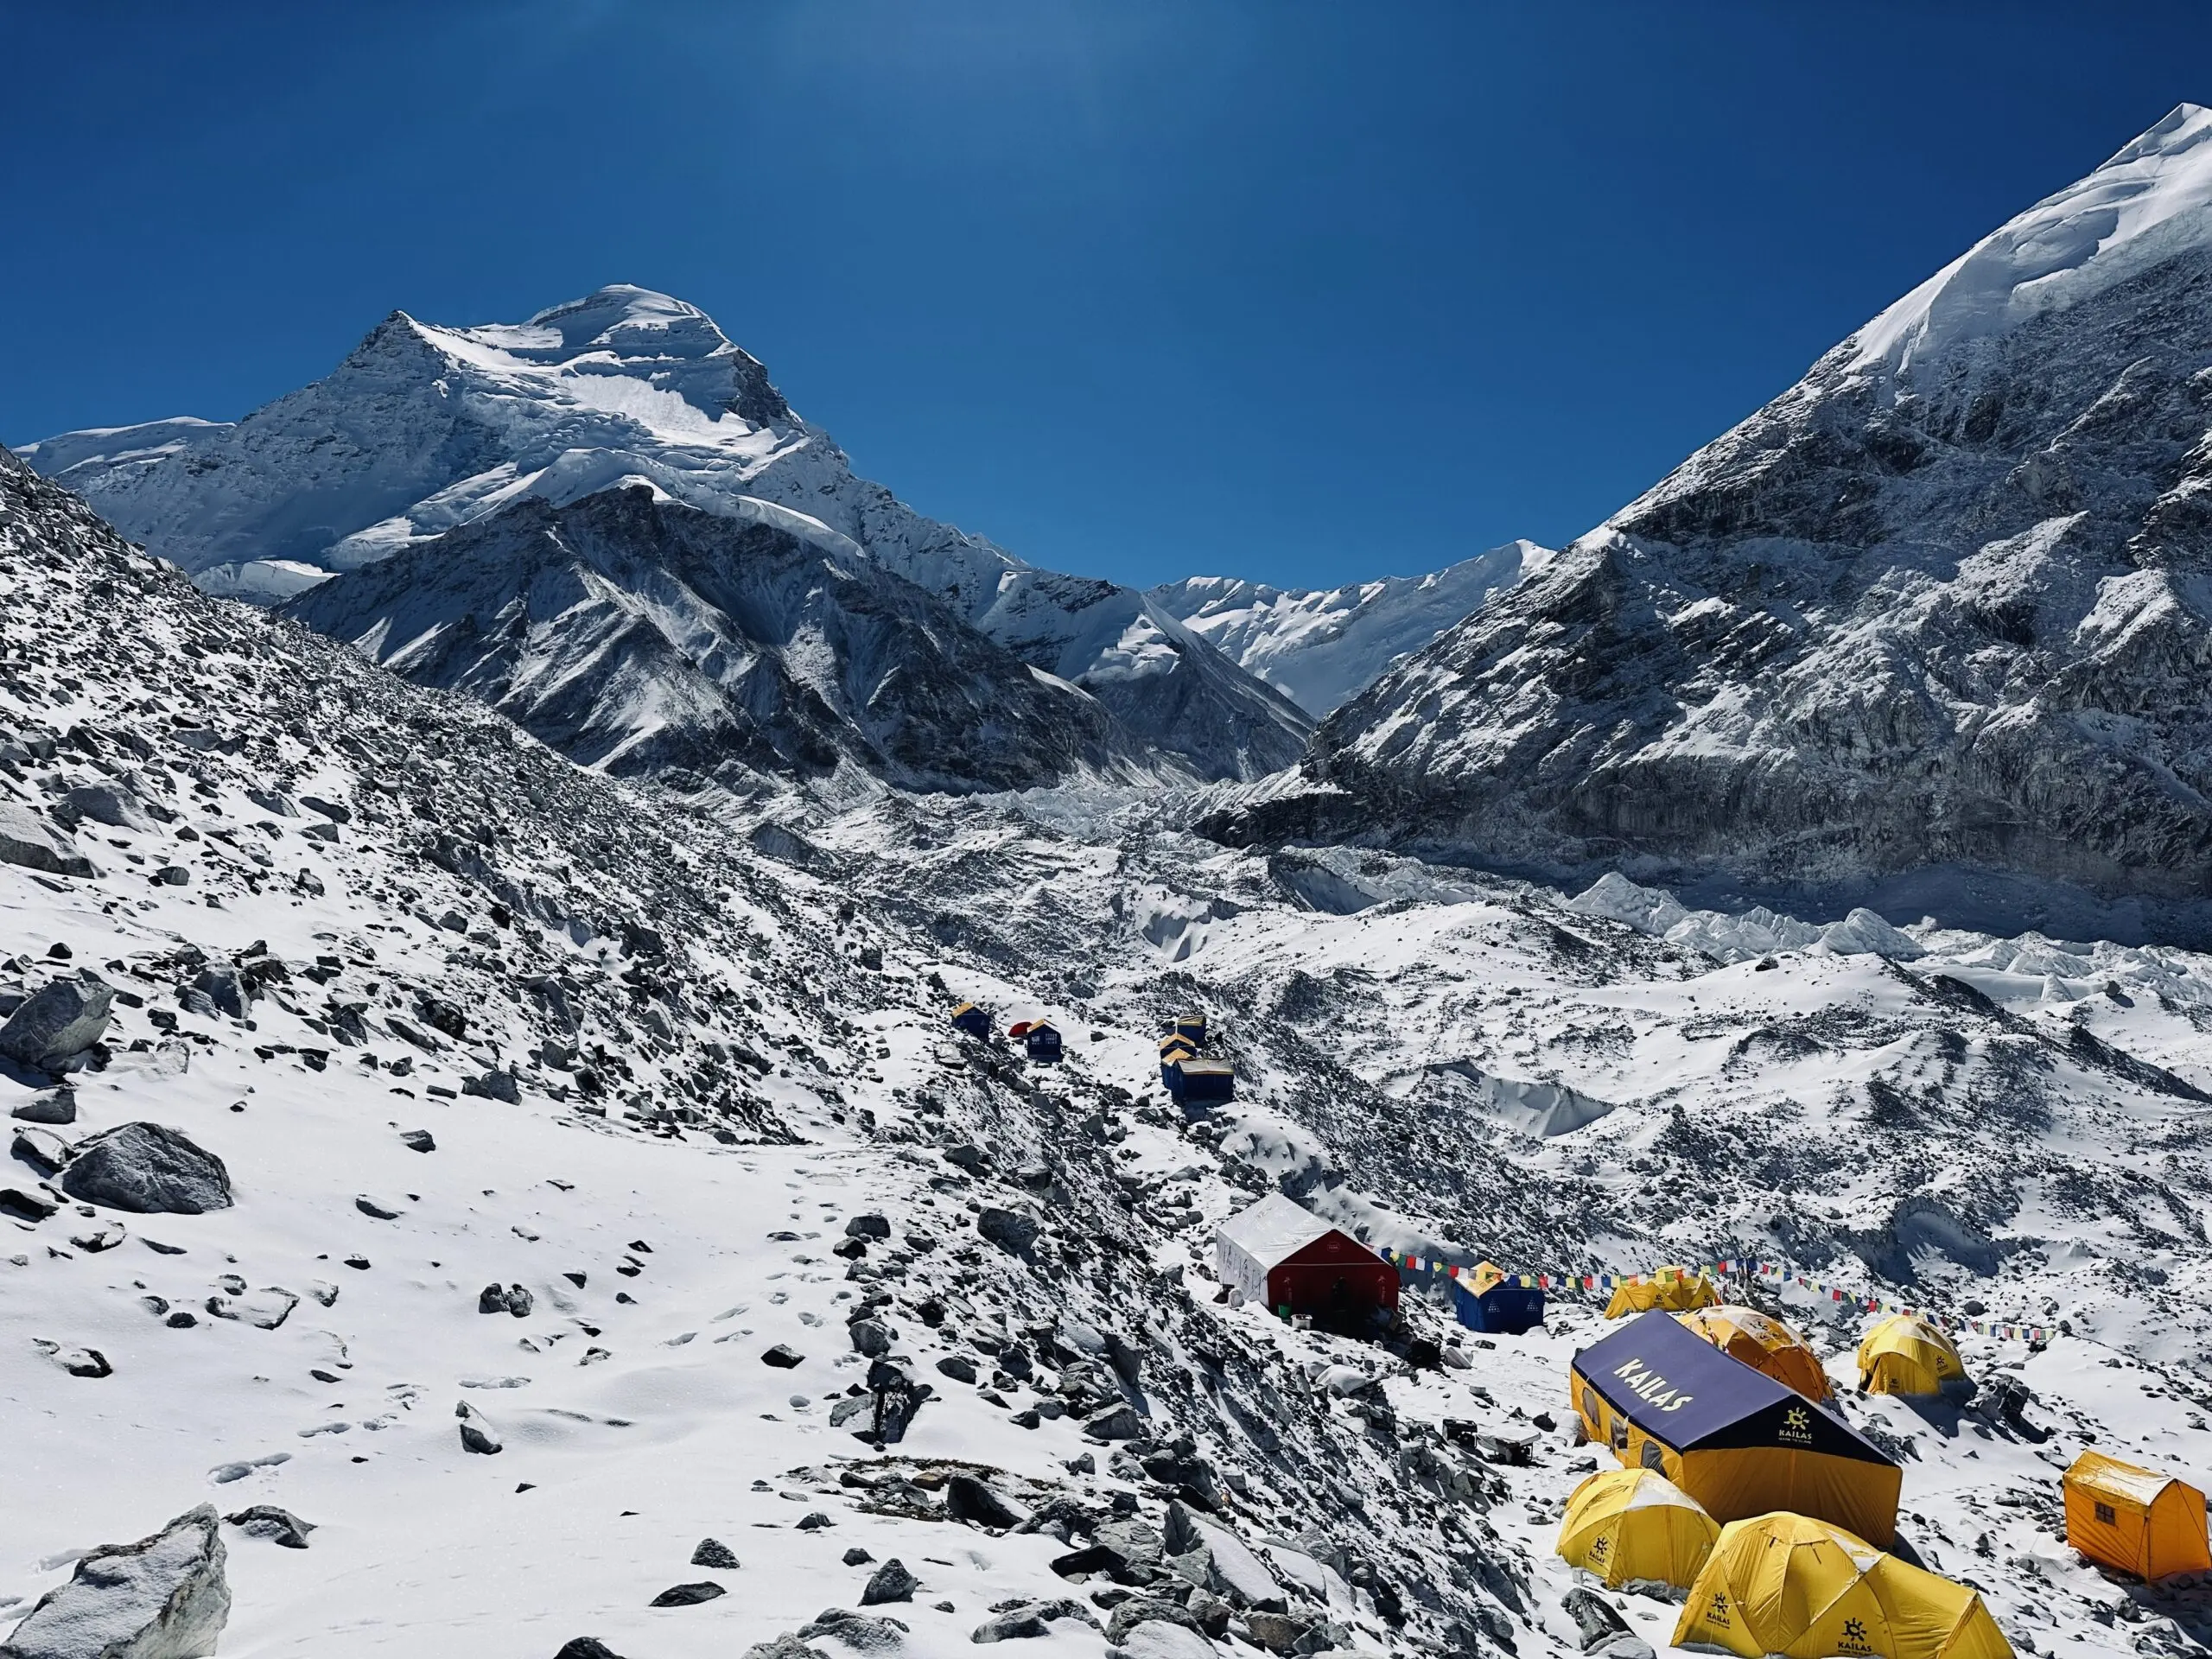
(1142, 1610)
(856, 1630)
(61, 1020)
(278, 1526)
(225, 987)
(1115, 1423)
(869, 1226)
(890, 1582)
(1008, 1229)
(1276, 1632)
(162, 1598)
(1594, 1618)
(146, 1169)
(478, 1435)
(1030, 1619)
(57, 1107)
(785, 1646)
(688, 1595)
(108, 804)
(497, 1084)
(28, 840)
(712, 1552)
(43, 1150)
(586, 1647)
(870, 1337)
(1157, 1638)
(969, 1499)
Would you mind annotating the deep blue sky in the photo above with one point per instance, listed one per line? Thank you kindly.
(1305, 293)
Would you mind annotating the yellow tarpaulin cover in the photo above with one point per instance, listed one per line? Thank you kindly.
(1765, 1343)
(1904, 1354)
(1803, 1589)
(1633, 1526)
(1675, 1289)
(2134, 1520)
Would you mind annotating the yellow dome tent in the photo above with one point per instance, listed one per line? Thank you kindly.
(1904, 1354)
(1763, 1343)
(2134, 1520)
(1677, 1290)
(1635, 1526)
(1784, 1584)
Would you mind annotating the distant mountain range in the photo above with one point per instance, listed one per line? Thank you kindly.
(423, 429)
(1323, 648)
(1932, 632)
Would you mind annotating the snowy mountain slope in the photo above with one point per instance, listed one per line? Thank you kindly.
(1323, 648)
(451, 1011)
(638, 635)
(1930, 631)
(423, 428)
(753, 1001)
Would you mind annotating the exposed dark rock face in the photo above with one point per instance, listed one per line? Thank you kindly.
(1934, 628)
(640, 635)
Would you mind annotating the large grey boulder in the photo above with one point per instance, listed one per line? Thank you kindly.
(1028, 1620)
(1009, 1230)
(28, 840)
(61, 1020)
(146, 1169)
(222, 984)
(108, 804)
(1147, 1609)
(162, 1598)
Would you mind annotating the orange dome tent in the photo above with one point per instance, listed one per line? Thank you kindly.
(1763, 1343)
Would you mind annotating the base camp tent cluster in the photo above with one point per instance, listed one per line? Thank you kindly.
(1743, 1487)
(1191, 1076)
(1733, 1438)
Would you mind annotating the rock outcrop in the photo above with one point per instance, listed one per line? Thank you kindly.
(162, 1598)
(148, 1169)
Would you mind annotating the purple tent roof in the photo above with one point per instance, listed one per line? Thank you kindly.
(1679, 1388)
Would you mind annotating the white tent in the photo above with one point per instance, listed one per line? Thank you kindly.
(1254, 1242)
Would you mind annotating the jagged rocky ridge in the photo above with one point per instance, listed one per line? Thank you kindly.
(423, 428)
(1323, 647)
(1932, 631)
(641, 636)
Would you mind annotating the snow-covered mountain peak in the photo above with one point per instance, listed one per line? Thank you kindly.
(2146, 204)
(425, 427)
(1322, 648)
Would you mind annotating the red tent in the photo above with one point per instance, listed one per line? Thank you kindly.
(1285, 1257)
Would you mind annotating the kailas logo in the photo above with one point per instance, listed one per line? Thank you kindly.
(1717, 1612)
(1598, 1546)
(1651, 1388)
(1855, 1636)
(1796, 1427)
